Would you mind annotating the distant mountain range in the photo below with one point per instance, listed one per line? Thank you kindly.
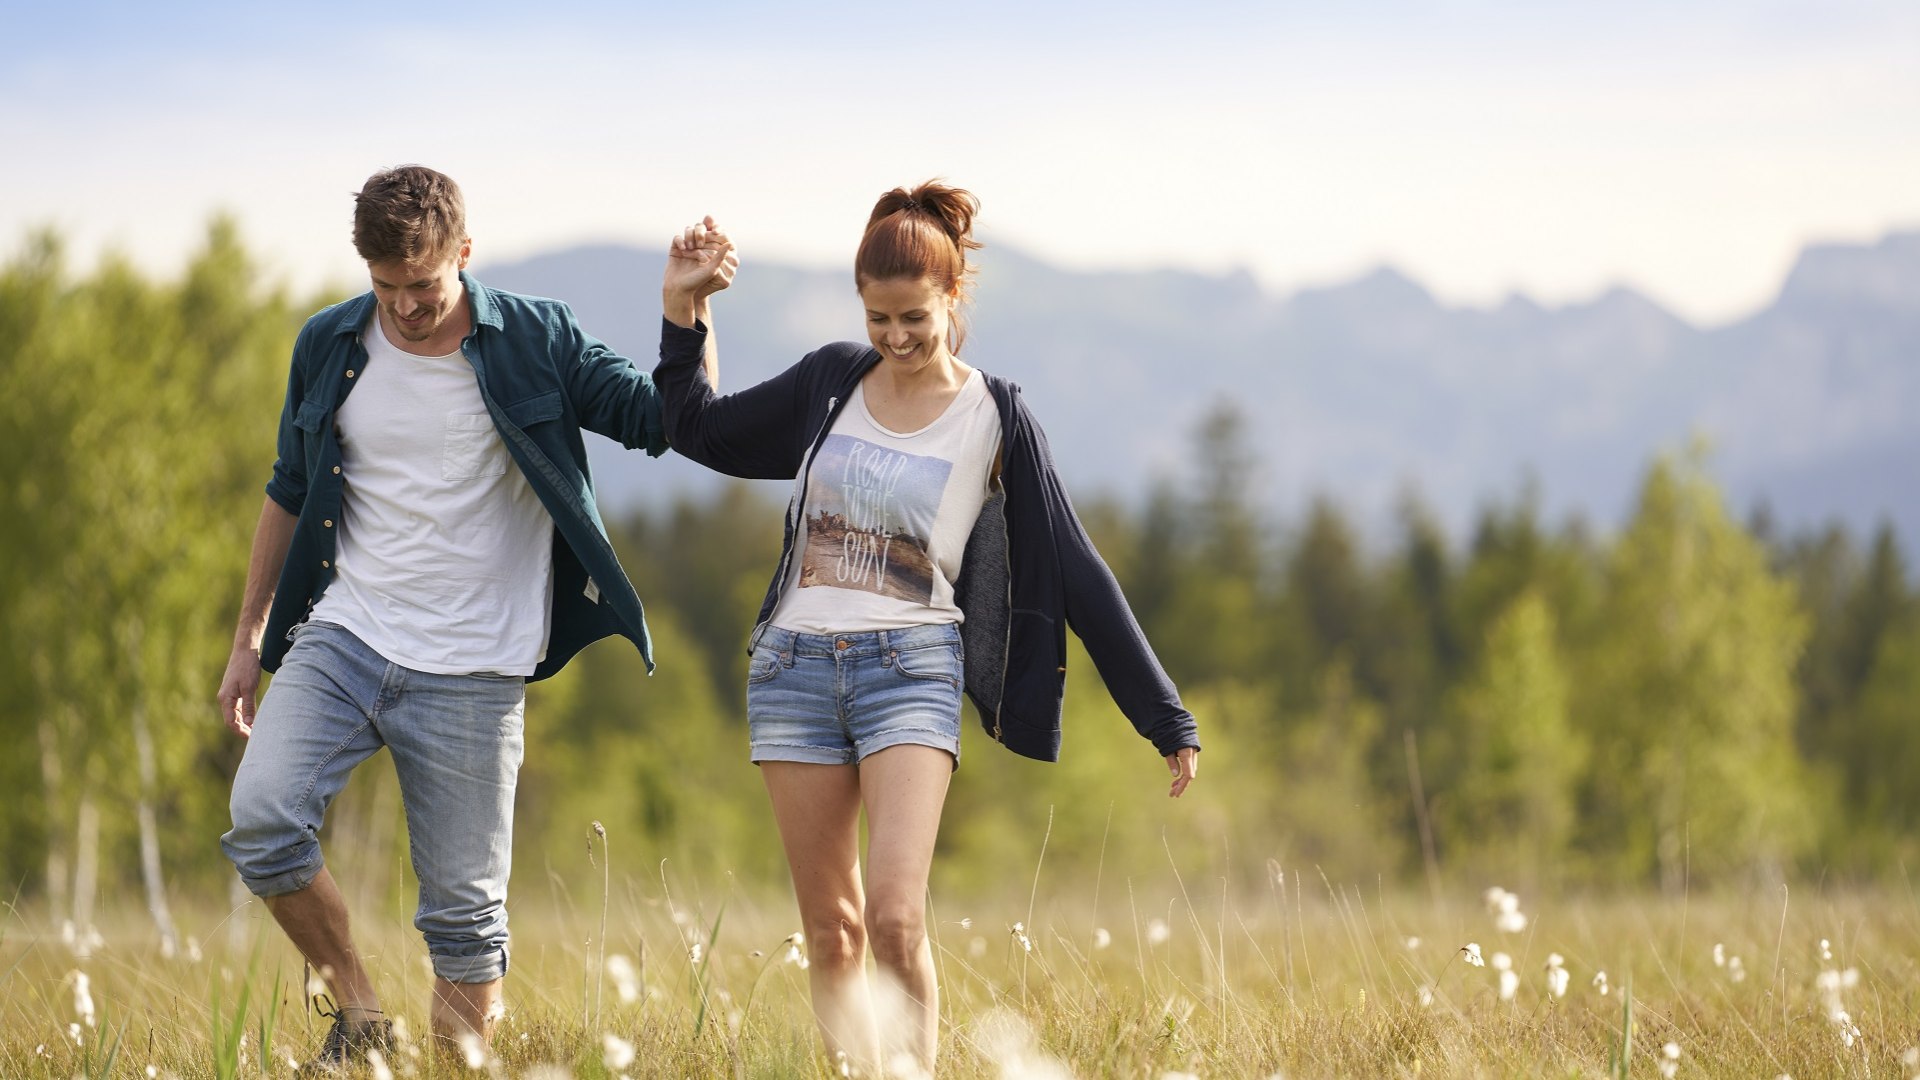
(1366, 390)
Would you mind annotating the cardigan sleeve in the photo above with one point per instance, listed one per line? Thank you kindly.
(1097, 611)
(751, 433)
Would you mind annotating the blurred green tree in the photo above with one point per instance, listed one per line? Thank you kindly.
(1509, 812)
(1687, 697)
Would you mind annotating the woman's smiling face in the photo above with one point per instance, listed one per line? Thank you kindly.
(908, 320)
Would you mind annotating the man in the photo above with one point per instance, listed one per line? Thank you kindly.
(429, 542)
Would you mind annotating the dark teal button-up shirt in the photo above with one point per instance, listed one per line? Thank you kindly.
(543, 381)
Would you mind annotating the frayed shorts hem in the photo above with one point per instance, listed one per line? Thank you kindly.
(820, 755)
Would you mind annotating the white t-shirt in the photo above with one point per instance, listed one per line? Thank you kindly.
(445, 557)
(887, 517)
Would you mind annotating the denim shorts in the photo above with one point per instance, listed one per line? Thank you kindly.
(456, 742)
(832, 699)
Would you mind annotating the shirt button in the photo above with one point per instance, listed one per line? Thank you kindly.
(324, 564)
(349, 373)
(328, 523)
(336, 470)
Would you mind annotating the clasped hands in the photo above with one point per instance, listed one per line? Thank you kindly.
(701, 261)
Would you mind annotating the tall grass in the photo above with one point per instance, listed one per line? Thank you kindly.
(1302, 978)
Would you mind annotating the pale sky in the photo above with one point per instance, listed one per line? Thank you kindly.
(1686, 149)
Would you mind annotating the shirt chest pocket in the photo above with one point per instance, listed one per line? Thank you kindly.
(471, 448)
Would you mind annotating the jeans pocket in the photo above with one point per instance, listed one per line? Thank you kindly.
(939, 662)
(763, 667)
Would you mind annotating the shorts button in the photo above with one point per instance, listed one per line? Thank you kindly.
(842, 644)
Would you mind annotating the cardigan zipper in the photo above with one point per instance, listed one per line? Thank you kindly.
(793, 516)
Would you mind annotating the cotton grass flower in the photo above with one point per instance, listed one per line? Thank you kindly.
(616, 1053)
(1412, 943)
(1736, 970)
(1470, 952)
(1158, 932)
(795, 954)
(1509, 978)
(473, 1050)
(83, 998)
(1557, 976)
(1669, 1060)
(1505, 908)
(1826, 950)
(1719, 955)
(1101, 939)
(1600, 982)
(377, 1065)
(695, 951)
(626, 978)
(1021, 938)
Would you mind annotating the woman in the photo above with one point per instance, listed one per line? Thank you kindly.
(930, 547)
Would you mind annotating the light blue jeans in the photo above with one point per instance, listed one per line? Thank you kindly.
(832, 699)
(457, 743)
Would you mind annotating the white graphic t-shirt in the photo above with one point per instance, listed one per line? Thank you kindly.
(445, 558)
(887, 516)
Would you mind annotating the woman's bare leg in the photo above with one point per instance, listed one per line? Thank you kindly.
(904, 788)
(818, 810)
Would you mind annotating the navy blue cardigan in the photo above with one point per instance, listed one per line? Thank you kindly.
(1029, 571)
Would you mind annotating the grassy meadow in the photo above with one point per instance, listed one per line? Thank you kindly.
(1290, 977)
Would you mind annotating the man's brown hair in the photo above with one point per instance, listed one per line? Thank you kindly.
(410, 213)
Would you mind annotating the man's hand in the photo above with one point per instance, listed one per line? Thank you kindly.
(1184, 765)
(239, 690)
(700, 262)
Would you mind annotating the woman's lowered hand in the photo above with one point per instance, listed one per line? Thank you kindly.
(1184, 764)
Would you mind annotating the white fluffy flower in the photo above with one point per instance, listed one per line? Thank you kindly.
(626, 979)
(615, 1052)
(1719, 955)
(1158, 932)
(1470, 952)
(1670, 1060)
(83, 998)
(695, 951)
(1501, 961)
(473, 1049)
(1557, 975)
(1101, 939)
(1600, 982)
(1509, 984)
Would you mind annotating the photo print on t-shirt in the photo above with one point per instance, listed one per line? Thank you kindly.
(870, 512)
